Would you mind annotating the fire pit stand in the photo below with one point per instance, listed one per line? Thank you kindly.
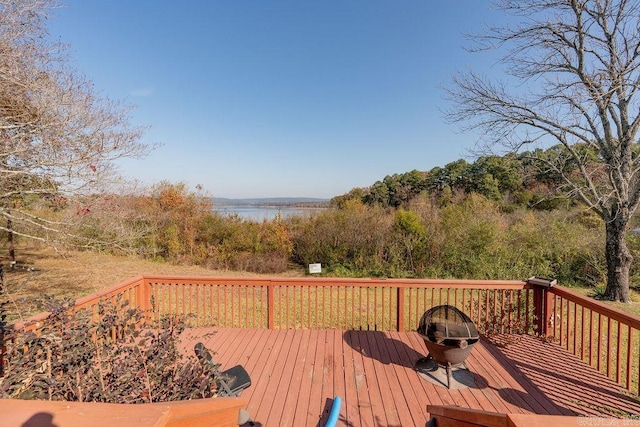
(449, 336)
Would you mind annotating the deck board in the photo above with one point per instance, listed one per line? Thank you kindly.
(296, 374)
(304, 395)
(268, 378)
(317, 378)
(578, 390)
(352, 376)
(411, 386)
(293, 393)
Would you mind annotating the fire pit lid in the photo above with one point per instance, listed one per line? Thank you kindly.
(446, 322)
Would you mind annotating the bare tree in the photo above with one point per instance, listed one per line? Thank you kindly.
(572, 80)
(58, 138)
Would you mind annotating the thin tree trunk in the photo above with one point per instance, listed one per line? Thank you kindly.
(12, 249)
(618, 262)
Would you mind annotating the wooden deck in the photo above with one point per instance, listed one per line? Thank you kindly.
(296, 373)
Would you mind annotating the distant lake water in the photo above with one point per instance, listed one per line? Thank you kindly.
(264, 213)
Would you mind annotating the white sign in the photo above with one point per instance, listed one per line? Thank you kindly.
(315, 268)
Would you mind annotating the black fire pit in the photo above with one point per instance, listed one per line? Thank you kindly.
(449, 335)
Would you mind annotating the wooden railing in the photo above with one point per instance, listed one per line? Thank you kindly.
(135, 291)
(604, 337)
(365, 304)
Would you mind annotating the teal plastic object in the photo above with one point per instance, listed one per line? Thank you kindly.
(335, 412)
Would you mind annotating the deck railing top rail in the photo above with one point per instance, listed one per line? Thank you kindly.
(86, 301)
(597, 307)
(335, 281)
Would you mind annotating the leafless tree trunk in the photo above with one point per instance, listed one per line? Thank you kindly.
(572, 80)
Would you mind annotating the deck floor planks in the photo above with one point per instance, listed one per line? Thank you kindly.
(505, 393)
(194, 335)
(488, 379)
(263, 375)
(314, 410)
(540, 403)
(294, 393)
(350, 409)
(274, 369)
(395, 386)
(491, 377)
(253, 354)
(370, 397)
(384, 380)
(373, 373)
(328, 375)
(253, 343)
(416, 406)
(302, 407)
(581, 390)
(256, 350)
(363, 402)
(413, 385)
(339, 368)
(285, 367)
(486, 397)
(230, 353)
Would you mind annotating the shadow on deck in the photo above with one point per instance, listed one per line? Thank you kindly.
(297, 373)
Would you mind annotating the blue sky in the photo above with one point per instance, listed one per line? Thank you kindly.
(280, 98)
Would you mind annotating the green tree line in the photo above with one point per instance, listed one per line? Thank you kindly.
(511, 180)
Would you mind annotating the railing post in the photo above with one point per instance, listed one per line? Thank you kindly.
(537, 309)
(400, 309)
(541, 310)
(271, 321)
(143, 298)
(548, 313)
(542, 303)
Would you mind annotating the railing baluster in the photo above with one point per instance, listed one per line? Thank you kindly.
(562, 320)
(629, 357)
(309, 325)
(599, 341)
(509, 311)
(375, 309)
(346, 324)
(360, 307)
(575, 329)
(400, 308)
(619, 353)
(582, 333)
(333, 310)
(608, 350)
(183, 309)
(591, 327)
(528, 320)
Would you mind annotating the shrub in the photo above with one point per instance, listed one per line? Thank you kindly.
(353, 238)
(105, 356)
(234, 243)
